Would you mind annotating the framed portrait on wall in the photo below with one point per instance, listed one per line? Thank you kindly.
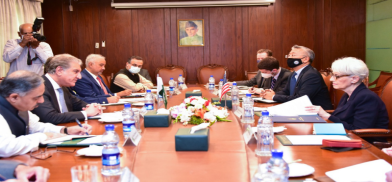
(190, 32)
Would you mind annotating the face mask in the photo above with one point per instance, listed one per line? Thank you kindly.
(293, 62)
(266, 75)
(134, 70)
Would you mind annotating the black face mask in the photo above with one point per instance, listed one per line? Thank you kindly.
(293, 62)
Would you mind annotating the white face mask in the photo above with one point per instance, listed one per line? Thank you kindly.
(134, 69)
(266, 75)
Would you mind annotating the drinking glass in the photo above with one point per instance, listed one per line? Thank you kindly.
(84, 173)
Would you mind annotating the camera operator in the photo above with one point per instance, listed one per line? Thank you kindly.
(26, 53)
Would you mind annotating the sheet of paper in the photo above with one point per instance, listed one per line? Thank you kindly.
(93, 140)
(313, 139)
(117, 103)
(110, 116)
(263, 100)
(257, 109)
(292, 108)
(65, 138)
(132, 100)
(368, 171)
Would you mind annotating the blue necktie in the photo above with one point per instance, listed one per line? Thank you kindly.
(293, 81)
(273, 83)
(62, 101)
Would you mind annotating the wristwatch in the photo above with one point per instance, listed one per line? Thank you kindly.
(66, 130)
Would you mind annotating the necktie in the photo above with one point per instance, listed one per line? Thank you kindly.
(293, 81)
(273, 83)
(62, 101)
(102, 86)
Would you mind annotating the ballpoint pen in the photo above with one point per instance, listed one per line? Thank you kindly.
(77, 121)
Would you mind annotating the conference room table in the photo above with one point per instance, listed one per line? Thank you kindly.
(227, 159)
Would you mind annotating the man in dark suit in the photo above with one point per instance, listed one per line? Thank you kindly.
(60, 106)
(305, 80)
(257, 80)
(90, 88)
(145, 74)
(274, 76)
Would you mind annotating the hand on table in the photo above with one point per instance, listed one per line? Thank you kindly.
(93, 109)
(26, 173)
(77, 130)
(124, 93)
(113, 99)
(268, 94)
(319, 110)
(50, 135)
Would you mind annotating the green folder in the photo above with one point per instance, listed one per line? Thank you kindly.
(73, 143)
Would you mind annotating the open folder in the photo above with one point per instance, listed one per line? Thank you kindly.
(75, 141)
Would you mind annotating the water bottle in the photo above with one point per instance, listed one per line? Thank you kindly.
(110, 152)
(265, 135)
(278, 167)
(149, 101)
(128, 119)
(262, 174)
(181, 82)
(235, 99)
(220, 85)
(248, 109)
(171, 86)
(211, 81)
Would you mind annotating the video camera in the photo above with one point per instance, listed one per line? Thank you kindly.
(36, 27)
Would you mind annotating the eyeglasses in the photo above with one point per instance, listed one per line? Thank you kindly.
(43, 154)
(27, 33)
(338, 76)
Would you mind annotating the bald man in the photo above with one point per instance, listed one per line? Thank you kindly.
(26, 53)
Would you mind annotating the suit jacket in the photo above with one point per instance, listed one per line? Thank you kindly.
(310, 83)
(88, 90)
(49, 111)
(257, 80)
(281, 82)
(145, 74)
(7, 168)
(19, 126)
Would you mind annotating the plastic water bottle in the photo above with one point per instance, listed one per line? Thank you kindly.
(128, 119)
(110, 152)
(278, 166)
(211, 81)
(265, 135)
(181, 82)
(235, 99)
(171, 86)
(149, 101)
(248, 109)
(220, 84)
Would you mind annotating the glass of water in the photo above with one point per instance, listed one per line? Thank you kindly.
(84, 173)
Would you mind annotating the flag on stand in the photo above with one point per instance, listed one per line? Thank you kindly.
(161, 91)
(225, 87)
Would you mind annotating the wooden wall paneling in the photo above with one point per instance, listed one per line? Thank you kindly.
(53, 29)
(67, 27)
(261, 19)
(239, 66)
(116, 27)
(277, 48)
(223, 38)
(311, 31)
(190, 58)
(319, 36)
(327, 48)
(135, 31)
(345, 38)
(152, 38)
(167, 40)
(246, 56)
(207, 42)
(173, 38)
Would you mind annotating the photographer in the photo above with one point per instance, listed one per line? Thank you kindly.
(26, 53)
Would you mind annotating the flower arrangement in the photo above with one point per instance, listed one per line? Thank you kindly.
(196, 110)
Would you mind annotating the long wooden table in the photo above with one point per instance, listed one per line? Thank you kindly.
(228, 157)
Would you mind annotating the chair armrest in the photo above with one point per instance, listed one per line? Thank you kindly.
(373, 83)
(382, 145)
(372, 132)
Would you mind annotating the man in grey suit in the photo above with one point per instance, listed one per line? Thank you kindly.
(261, 54)
(274, 76)
(12, 169)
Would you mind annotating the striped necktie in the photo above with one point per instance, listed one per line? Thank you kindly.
(273, 83)
(102, 86)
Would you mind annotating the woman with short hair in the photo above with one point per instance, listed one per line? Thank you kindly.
(359, 107)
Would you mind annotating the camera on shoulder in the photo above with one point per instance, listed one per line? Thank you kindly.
(36, 27)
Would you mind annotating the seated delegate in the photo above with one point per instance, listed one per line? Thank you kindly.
(359, 107)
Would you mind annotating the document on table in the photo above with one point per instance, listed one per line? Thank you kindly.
(108, 117)
(294, 107)
(368, 171)
(308, 139)
(132, 100)
(117, 103)
(93, 140)
(65, 138)
(259, 99)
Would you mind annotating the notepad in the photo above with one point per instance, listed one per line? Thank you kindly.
(79, 142)
(65, 138)
(329, 129)
(307, 139)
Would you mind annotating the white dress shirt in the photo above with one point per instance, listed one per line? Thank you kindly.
(11, 145)
(17, 56)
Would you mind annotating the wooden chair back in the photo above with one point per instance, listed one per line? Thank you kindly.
(380, 82)
(218, 71)
(387, 99)
(170, 71)
(106, 80)
(250, 75)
